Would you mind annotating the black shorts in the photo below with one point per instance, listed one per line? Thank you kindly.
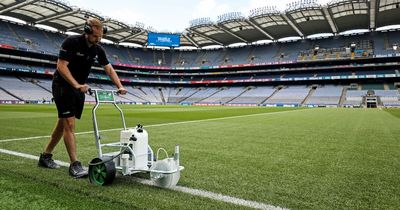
(69, 101)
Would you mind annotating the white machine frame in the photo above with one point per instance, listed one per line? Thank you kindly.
(125, 158)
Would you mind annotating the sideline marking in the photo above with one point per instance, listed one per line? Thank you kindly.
(191, 191)
(159, 125)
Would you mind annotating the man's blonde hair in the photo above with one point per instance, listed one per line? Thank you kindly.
(95, 23)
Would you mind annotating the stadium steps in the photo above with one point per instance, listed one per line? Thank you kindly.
(9, 93)
(250, 55)
(130, 57)
(162, 95)
(179, 58)
(179, 90)
(140, 89)
(49, 39)
(386, 86)
(219, 90)
(199, 59)
(20, 78)
(310, 93)
(343, 97)
(21, 39)
(155, 93)
(137, 96)
(247, 89)
(276, 90)
(183, 99)
(379, 101)
(163, 58)
(122, 96)
(42, 87)
(154, 58)
(224, 57)
(386, 41)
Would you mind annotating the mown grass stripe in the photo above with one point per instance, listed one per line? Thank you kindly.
(159, 125)
(196, 192)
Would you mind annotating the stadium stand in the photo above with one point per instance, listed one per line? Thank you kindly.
(326, 95)
(354, 97)
(292, 95)
(224, 95)
(177, 95)
(254, 95)
(310, 72)
(25, 90)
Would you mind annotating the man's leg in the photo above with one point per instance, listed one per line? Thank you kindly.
(75, 169)
(69, 137)
(45, 159)
(55, 137)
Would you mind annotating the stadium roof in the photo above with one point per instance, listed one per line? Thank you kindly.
(302, 18)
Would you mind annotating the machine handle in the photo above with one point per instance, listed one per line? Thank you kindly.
(91, 91)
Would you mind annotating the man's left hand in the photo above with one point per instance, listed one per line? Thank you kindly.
(122, 91)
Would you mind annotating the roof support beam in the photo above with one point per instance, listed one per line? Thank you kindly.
(330, 20)
(86, 15)
(205, 37)
(259, 29)
(372, 14)
(55, 16)
(120, 30)
(131, 36)
(17, 5)
(229, 32)
(190, 40)
(292, 25)
(77, 27)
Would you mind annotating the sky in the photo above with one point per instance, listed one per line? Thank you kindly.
(173, 15)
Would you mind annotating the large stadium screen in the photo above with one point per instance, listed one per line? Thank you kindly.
(165, 40)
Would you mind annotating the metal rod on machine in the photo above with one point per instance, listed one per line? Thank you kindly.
(95, 127)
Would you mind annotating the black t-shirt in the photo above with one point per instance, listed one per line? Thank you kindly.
(75, 50)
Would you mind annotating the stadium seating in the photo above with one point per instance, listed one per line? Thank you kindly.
(389, 97)
(293, 95)
(25, 90)
(254, 95)
(28, 38)
(33, 39)
(223, 95)
(202, 94)
(326, 95)
(354, 97)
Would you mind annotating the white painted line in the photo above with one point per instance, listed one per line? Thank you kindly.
(191, 191)
(159, 125)
(25, 138)
(19, 154)
(226, 198)
(222, 118)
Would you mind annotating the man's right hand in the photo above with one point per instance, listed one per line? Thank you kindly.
(82, 88)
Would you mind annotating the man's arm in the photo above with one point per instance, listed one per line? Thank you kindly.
(114, 78)
(62, 68)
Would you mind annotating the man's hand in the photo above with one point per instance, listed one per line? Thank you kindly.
(122, 91)
(82, 88)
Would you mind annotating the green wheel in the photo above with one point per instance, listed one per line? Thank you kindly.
(101, 171)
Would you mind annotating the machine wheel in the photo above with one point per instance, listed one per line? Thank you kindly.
(101, 171)
(161, 179)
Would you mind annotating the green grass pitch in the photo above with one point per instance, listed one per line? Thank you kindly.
(320, 158)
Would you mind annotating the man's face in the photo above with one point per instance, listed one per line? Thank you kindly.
(95, 37)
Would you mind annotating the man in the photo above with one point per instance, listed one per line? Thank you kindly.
(77, 54)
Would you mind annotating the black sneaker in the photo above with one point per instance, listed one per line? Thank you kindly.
(76, 170)
(46, 161)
